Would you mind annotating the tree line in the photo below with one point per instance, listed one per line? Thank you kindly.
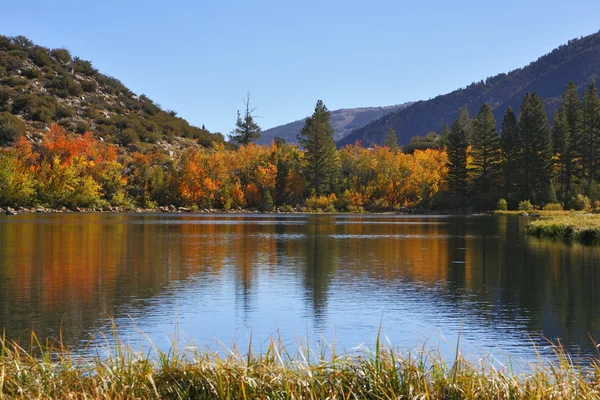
(529, 159)
(473, 165)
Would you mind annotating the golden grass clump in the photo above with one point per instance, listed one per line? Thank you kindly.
(50, 372)
(584, 228)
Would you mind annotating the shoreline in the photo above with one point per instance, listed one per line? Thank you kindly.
(187, 210)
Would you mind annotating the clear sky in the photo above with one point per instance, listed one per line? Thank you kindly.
(201, 57)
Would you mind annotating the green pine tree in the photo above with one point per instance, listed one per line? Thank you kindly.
(456, 147)
(590, 132)
(536, 160)
(571, 109)
(246, 129)
(561, 148)
(464, 122)
(487, 155)
(512, 152)
(321, 169)
(391, 140)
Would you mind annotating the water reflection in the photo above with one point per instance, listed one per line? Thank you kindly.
(215, 276)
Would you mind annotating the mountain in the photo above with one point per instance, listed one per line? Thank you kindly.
(577, 61)
(344, 121)
(41, 86)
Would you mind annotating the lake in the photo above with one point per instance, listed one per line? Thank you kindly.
(321, 279)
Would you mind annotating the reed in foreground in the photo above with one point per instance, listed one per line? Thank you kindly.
(54, 372)
(584, 228)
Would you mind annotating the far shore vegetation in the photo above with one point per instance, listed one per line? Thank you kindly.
(529, 165)
(51, 371)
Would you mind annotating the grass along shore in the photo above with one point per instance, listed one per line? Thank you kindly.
(579, 227)
(382, 373)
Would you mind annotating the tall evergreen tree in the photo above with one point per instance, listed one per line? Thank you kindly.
(321, 167)
(246, 129)
(571, 109)
(590, 132)
(456, 146)
(537, 150)
(512, 152)
(487, 155)
(391, 140)
(561, 148)
(464, 122)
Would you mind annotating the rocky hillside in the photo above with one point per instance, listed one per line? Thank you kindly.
(41, 86)
(577, 61)
(344, 121)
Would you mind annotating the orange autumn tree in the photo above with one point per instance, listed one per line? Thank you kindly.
(72, 169)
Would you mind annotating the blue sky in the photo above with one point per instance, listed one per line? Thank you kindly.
(201, 57)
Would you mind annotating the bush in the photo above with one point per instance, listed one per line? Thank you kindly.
(88, 86)
(62, 55)
(65, 112)
(4, 97)
(40, 56)
(127, 136)
(64, 86)
(83, 67)
(321, 203)
(502, 205)
(580, 203)
(32, 73)
(525, 205)
(40, 108)
(11, 127)
(14, 81)
(82, 127)
(553, 207)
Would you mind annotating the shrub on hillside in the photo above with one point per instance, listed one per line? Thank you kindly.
(65, 111)
(14, 81)
(32, 73)
(62, 55)
(11, 127)
(64, 86)
(38, 108)
(83, 67)
(88, 86)
(40, 57)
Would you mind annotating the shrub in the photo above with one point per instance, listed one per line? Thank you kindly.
(322, 203)
(502, 205)
(4, 97)
(32, 73)
(64, 86)
(65, 112)
(553, 207)
(40, 56)
(83, 67)
(14, 81)
(82, 127)
(40, 108)
(88, 86)
(11, 127)
(580, 203)
(525, 205)
(62, 55)
(127, 136)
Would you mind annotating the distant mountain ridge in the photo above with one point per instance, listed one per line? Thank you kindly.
(344, 121)
(577, 61)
